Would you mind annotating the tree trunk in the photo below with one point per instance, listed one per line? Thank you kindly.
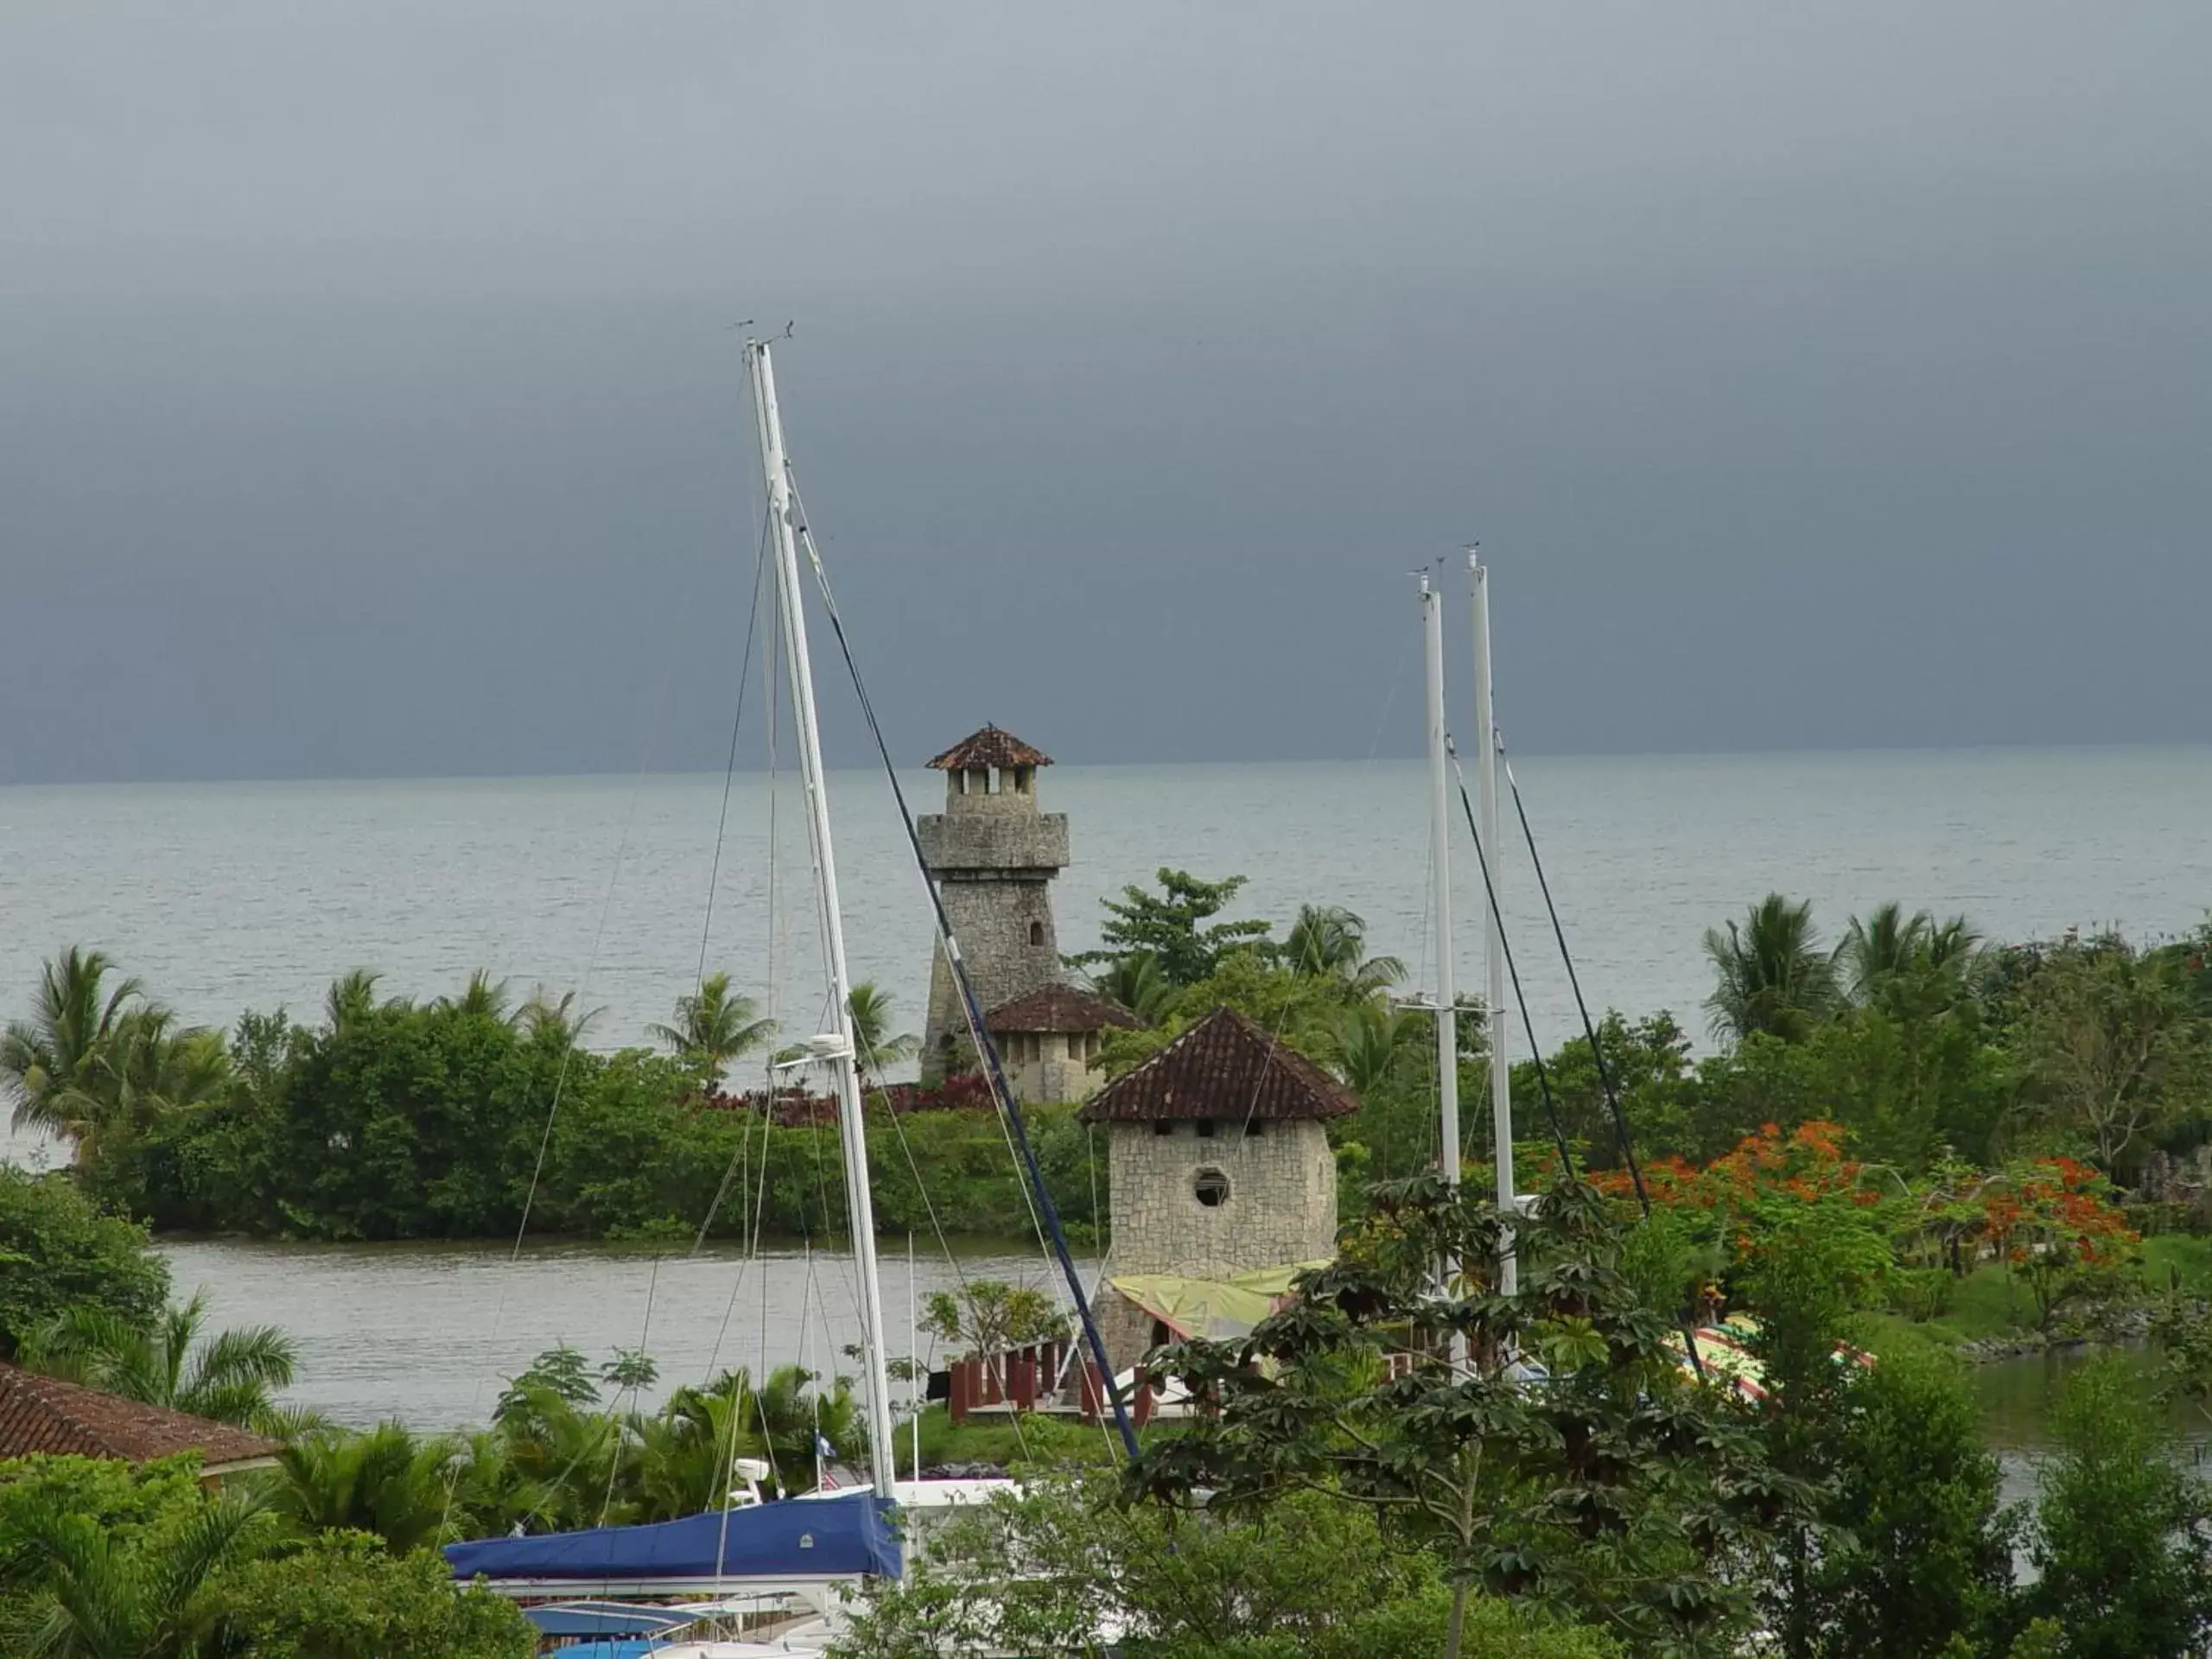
(1457, 1625)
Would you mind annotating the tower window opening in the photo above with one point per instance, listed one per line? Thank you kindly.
(1206, 1128)
(1252, 1128)
(1211, 1189)
(1161, 1126)
(1036, 932)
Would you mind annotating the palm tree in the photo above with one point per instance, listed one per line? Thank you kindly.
(543, 1013)
(93, 1063)
(1879, 948)
(1367, 1046)
(1328, 941)
(51, 1064)
(1137, 981)
(352, 997)
(1774, 977)
(230, 1377)
(100, 1595)
(1951, 947)
(873, 1040)
(684, 1451)
(714, 1026)
(483, 995)
(790, 1414)
(383, 1481)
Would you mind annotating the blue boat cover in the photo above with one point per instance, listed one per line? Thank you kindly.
(796, 1538)
(606, 1619)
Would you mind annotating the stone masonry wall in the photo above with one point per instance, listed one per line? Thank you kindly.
(1281, 1206)
(994, 856)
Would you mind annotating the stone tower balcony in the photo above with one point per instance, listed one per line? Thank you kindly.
(991, 827)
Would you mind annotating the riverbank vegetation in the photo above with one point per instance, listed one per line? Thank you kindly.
(1909, 1146)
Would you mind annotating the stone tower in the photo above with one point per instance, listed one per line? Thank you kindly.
(993, 856)
(1217, 1162)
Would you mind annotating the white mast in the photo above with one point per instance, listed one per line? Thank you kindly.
(835, 1048)
(1495, 989)
(1440, 858)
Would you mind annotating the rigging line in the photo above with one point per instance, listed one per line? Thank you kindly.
(994, 1070)
(1596, 1054)
(1505, 949)
(614, 1463)
(591, 966)
(959, 1274)
(736, 725)
(1574, 981)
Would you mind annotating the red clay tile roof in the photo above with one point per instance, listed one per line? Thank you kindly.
(1227, 1067)
(43, 1414)
(989, 747)
(1058, 1007)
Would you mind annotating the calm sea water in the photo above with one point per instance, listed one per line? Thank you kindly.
(227, 896)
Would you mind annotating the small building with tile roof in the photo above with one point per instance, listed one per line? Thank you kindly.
(41, 1414)
(1049, 1041)
(993, 854)
(1218, 1161)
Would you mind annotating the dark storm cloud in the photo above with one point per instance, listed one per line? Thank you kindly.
(1820, 375)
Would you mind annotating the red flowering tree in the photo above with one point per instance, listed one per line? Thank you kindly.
(2052, 1221)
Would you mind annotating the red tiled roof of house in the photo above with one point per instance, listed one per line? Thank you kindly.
(989, 747)
(1058, 1007)
(44, 1414)
(1224, 1066)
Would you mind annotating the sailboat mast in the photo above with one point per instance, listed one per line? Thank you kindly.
(842, 1060)
(1495, 989)
(1439, 859)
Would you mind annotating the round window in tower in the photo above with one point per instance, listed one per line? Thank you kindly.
(1210, 1188)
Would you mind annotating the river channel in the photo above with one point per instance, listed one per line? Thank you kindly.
(427, 1332)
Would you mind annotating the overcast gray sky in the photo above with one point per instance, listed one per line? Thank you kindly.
(1817, 375)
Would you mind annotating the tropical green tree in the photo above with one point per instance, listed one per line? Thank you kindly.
(97, 1062)
(1329, 941)
(544, 1015)
(2115, 1045)
(93, 1594)
(1880, 946)
(1047, 1569)
(2122, 1538)
(1916, 1557)
(713, 1026)
(682, 1455)
(232, 1376)
(351, 996)
(1772, 975)
(988, 1316)
(1134, 980)
(483, 996)
(386, 1480)
(874, 1043)
(1167, 926)
(1611, 1490)
(52, 1065)
(59, 1252)
(345, 1596)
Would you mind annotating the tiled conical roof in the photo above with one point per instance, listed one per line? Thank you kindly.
(1225, 1066)
(989, 747)
(1058, 1007)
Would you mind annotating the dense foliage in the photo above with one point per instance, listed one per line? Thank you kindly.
(58, 1253)
(100, 1561)
(1046, 1570)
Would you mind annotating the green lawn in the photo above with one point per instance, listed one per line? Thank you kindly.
(1041, 1440)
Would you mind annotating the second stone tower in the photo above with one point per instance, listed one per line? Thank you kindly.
(993, 856)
